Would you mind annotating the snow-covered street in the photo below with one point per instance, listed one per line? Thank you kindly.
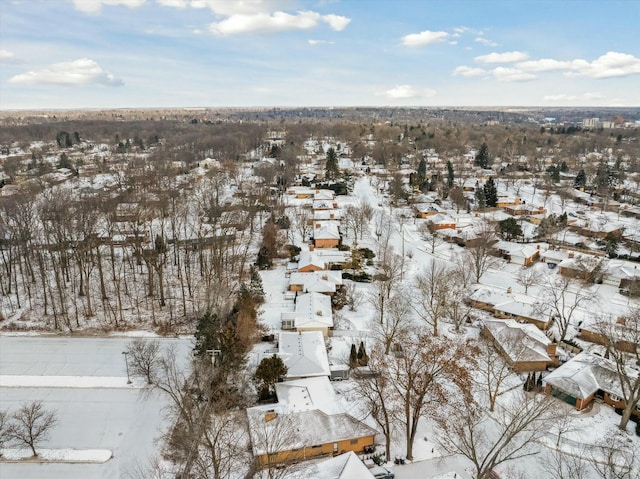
(91, 416)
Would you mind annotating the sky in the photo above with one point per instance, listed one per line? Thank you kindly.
(69, 54)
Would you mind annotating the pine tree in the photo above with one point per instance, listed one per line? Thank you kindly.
(363, 358)
(482, 158)
(269, 371)
(491, 193)
(353, 357)
(581, 179)
(332, 170)
(481, 199)
(450, 174)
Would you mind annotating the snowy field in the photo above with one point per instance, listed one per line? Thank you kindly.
(85, 382)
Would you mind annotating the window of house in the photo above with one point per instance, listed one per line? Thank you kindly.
(353, 442)
(614, 398)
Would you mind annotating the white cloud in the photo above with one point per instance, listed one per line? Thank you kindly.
(405, 92)
(486, 41)
(466, 71)
(505, 74)
(400, 92)
(563, 97)
(275, 22)
(235, 7)
(336, 22)
(320, 42)
(609, 65)
(7, 57)
(423, 38)
(560, 97)
(94, 6)
(76, 73)
(506, 57)
(543, 65)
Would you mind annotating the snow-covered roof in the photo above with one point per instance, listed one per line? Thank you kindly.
(520, 342)
(312, 310)
(344, 466)
(490, 296)
(322, 205)
(521, 250)
(304, 354)
(317, 281)
(327, 230)
(308, 394)
(324, 195)
(310, 258)
(301, 429)
(325, 215)
(584, 374)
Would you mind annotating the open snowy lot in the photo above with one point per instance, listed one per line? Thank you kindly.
(86, 384)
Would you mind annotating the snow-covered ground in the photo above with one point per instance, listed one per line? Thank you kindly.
(430, 459)
(107, 416)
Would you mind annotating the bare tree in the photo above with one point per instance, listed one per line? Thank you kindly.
(143, 358)
(527, 277)
(223, 449)
(615, 458)
(430, 237)
(566, 466)
(272, 435)
(386, 283)
(561, 302)
(395, 323)
(457, 308)
(425, 370)
(622, 339)
(479, 253)
(432, 288)
(4, 430)
(376, 393)
(495, 377)
(489, 441)
(31, 423)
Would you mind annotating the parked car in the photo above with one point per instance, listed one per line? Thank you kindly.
(381, 472)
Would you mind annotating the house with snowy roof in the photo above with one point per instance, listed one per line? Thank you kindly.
(322, 259)
(304, 354)
(308, 421)
(518, 253)
(441, 222)
(325, 282)
(524, 346)
(344, 466)
(311, 312)
(586, 377)
(326, 234)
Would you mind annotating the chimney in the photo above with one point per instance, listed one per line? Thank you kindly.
(270, 415)
(571, 255)
(311, 247)
(317, 225)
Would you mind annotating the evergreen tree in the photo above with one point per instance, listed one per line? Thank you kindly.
(481, 199)
(268, 373)
(490, 193)
(263, 260)
(353, 357)
(482, 157)
(581, 179)
(510, 229)
(363, 358)
(332, 170)
(422, 171)
(449, 174)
